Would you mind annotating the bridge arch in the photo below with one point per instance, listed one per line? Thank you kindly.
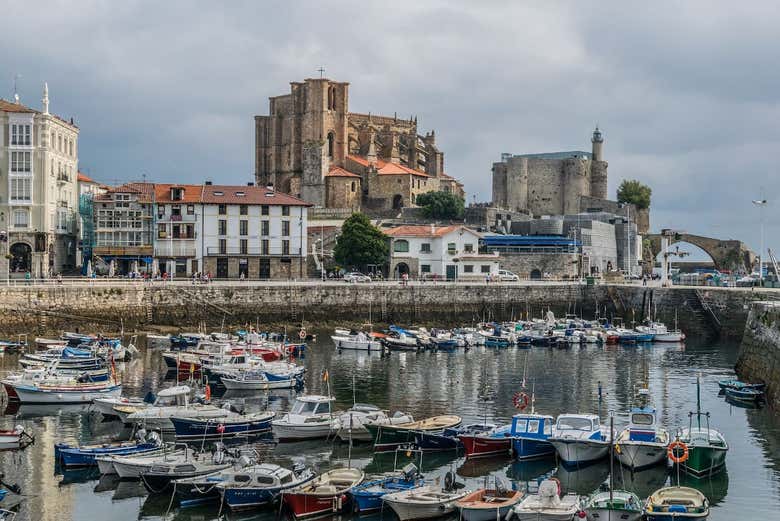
(726, 254)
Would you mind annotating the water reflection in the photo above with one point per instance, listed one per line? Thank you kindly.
(424, 384)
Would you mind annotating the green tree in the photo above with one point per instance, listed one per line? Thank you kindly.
(441, 205)
(360, 243)
(634, 192)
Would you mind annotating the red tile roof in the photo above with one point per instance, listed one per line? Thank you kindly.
(422, 230)
(192, 193)
(10, 106)
(84, 179)
(385, 168)
(145, 191)
(229, 194)
(337, 171)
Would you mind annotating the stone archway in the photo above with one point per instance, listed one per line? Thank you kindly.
(21, 257)
(398, 202)
(536, 274)
(726, 255)
(401, 268)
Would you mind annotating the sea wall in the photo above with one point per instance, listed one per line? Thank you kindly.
(38, 309)
(759, 353)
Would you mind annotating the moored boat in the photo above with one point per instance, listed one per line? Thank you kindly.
(84, 455)
(530, 435)
(745, 395)
(16, 438)
(673, 503)
(488, 504)
(579, 438)
(58, 393)
(618, 505)
(352, 423)
(495, 442)
(240, 425)
(311, 417)
(388, 437)
(642, 443)
(547, 504)
(449, 438)
(368, 495)
(424, 503)
(705, 449)
(325, 494)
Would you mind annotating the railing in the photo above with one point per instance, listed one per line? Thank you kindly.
(215, 250)
(123, 250)
(177, 249)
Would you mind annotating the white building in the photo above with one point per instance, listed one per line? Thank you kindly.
(446, 252)
(38, 189)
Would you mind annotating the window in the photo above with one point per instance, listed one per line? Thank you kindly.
(222, 209)
(176, 231)
(223, 246)
(425, 268)
(70, 147)
(53, 140)
(264, 209)
(21, 219)
(177, 194)
(21, 190)
(190, 229)
(222, 227)
(243, 244)
(521, 426)
(425, 247)
(401, 245)
(285, 210)
(20, 162)
(243, 209)
(285, 247)
(468, 268)
(161, 231)
(451, 247)
(243, 227)
(190, 209)
(285, 228)
(485, 268)
(265, 227)
(62, 219)
(533, 426)
(331, 140)
(264, 247)
(354, 186)
(468, 248)
(176, 210)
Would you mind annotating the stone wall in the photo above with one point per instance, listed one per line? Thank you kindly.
(759, 354)
(527, 265)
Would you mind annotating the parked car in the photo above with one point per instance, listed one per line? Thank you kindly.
(356, 276)
(507, 276)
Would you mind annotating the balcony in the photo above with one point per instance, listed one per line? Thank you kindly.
(250, 252)
(123, 250)
(181, 218)
(174, 249)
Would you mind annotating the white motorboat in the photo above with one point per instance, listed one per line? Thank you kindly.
(131, 467)
(105, 406)
(357, 341)
(642, 444)
(261, 381)
(401, 342)
(661, 333)
(424, 502)
(547, 504)
(54, 391)
(170, 402)
(579, 438)
(311, 417)
(17, 438)
(353, 421)
(618, 505)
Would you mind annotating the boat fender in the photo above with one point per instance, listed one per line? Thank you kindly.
(208, 393)
(676, 456)
(449, 480)
(582, 514)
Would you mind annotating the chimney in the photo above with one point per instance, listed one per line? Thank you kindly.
(209, 183)
(269, 187)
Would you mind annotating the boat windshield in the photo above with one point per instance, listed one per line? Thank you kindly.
(574, 424)
(533, 426)
(642, 419)
(304, 407)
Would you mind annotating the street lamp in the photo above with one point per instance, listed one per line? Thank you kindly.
(761, 203)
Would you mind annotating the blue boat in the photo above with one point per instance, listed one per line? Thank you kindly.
(448, 438)
(3, 492)
(184, 341)
(84, 456)
(246, 425)
(497, 341)
(368, 495)
(259, 485)
(736, 384)
(745, 394)
(448, 344)
(529, 435)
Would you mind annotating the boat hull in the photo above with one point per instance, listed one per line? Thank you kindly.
(704, 461)
(526, 449)
(304, 505)
(485, 446)
(636, 455)
(356, 345)
(435, 442)
(387, 438)
(292, 432)
(408, 510)
(197, 429)
(576, 451)
(61, 396)
(71, 457)
(603, 514)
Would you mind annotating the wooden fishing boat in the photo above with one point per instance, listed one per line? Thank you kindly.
(706, 448)
(254, 486)
(84, 455)
(745, 394)
(388, 437)
(495, 442)
(673, 503)
(736, 384)
(57, 393)
(424, 503)
(352, 423)
(488, 504)
(325, 494)
(368, 495)
(242, 425)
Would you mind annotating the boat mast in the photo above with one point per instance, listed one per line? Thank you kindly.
(611, 455)
(698, 400)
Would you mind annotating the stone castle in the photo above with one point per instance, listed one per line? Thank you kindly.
(312, 147)
(553, 183)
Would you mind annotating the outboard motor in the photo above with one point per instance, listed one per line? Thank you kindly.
(410, 471)
(140, 434)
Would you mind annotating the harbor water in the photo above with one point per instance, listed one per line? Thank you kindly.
(477, 384)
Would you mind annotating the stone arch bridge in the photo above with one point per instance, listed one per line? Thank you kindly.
(726, 254)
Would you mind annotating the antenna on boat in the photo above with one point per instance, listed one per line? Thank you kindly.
(698, 399)
(354, 400)
(533, 397)
(611, 454)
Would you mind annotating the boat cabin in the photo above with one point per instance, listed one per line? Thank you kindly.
(642, 424)
(532, 426)
(312, 405)
(265, 475)
(178, 396)
(578, 423)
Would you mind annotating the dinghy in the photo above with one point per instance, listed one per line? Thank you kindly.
(670, 503)
(17, 438)
(424, 503)
(325, 494)
(84, 455)
(488, 504)
(352, 423)
(368, 495)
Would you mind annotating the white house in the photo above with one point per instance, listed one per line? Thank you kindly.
(445, 252)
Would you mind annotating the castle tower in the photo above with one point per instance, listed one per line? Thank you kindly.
(575, 184)
(598, 167)
(598, 142)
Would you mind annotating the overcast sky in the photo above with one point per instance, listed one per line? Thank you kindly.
(685, 92)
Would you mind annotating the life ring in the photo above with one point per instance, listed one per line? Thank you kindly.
(673, 455)
(520, 401)
(302, 334)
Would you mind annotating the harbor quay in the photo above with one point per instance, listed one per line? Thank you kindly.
(127, 305)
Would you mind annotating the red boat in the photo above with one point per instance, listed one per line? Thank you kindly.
(481, 445)
(10, 391)
(328, 493)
